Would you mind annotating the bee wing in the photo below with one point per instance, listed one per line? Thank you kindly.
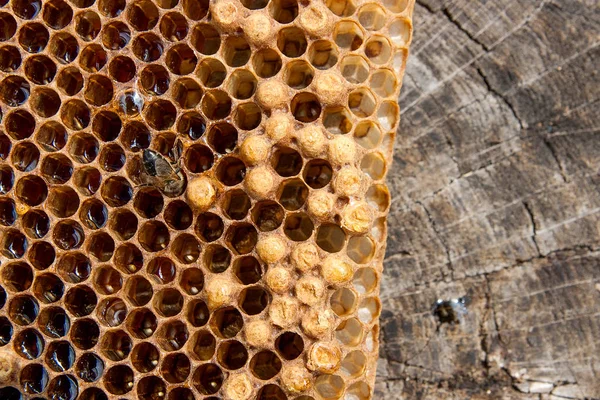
(176, 151)
(163, 168)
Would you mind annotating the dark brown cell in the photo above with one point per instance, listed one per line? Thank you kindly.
(54, 322)
(247, 269)
(265, 365)
(57, 13)
(115, 35)
(85, 333)
(209, 227)
(40, 69)
(208, 378)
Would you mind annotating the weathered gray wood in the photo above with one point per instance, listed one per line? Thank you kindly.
(496, 196)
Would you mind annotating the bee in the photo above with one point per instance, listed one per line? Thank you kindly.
(165, 175)
(450, 311)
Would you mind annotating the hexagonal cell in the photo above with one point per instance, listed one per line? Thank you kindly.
(242, 238)
(141, 323)
(162, 270)
(388, 114)
(396, 6)
(29, 344)
(25, 156)
(236, 51)
(33, 37)
(31, 190)
(383, 82)
(60, 356)
(265, 365)
(187, 92)
(291, 42)
(87, 25)
(361, 249)
(374, 165)
(51, 136)
(74, 267)
(253, 300)
(289, 345)
(112, 311)
(206, 39)
(197, 313)
(19, 124)
(41, 255)
(144, 357)
(148, 202)
(143, 15)
(13, 244)
(293, 194)
(168, 302)
(112, 158)
(7, 178)
(154, 79)
(107, 280)
(48, 288)
(138, 290)
(8, 211)
(211, 72)
(359, 391)
(337, 120)
(118, 380)
(341, 8)
(106, 125)
(33, 378)
(254, 4)
(283, 11)
(367, 134)
(81, 300)
(136, 136)
(232, 355)
(208, 379)
(236, 204)
(68, 234)
(115, 35)
(6, 331)
(362, 102)
(111, 8)
(89, 367)
(231, 171)
(378, 49)
(172, 336)
(10, 58)
(226, 322)
(343, 302)
(123, 224)
(331, 238)
(40, 69)
(57, 14)
(323, 54)
(329, 387)
(147, 47)
(70, 81)
(248, 116)
(348, 35)
(195, 9)
(372, 339)
(178, 215)
(298, 227)
(14, 90)
(192, 281)
(247, 270)
(372, 16)
(10, 24)
(203, 345)
(175, 368)
(298, 74)
(122, 69)
(216, 104)
(317, 173)
(63, 201)
(266, 63)
(173, 26)
(369, 310)
(64, 47)
(23, 310)
(199, 158)
(306, 107)
(85, 333)
(209, 227)
(93, 58)
(181, 59)
(191, 124)
(267, 215)
(365, 280)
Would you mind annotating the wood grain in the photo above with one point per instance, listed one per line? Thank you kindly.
(496, 197)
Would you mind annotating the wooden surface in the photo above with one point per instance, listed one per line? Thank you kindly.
(496, 197)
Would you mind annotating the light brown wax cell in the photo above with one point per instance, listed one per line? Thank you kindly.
(192, 196)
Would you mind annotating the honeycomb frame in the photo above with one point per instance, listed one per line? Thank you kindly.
(192, 196)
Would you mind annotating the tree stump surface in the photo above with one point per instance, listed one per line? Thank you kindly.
(496, 197)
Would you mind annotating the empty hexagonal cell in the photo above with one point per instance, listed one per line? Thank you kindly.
(121, 69)
(361, 249)
(354, 68)
(343, 302)
(231, 171)
(217, 258)
(283, 11)
(232, 355)
(112, 157)
(13, 244)
(48, 288)
(337, 120)
(101, 246)
(41, 255)
(40, 69)
(241, 84)
(372, 16)
(369, 310)
(203, 345)
(87, 25)
(223, 139)
(329, 387)
(265, 365)
(291, 42)
(216, 104)
(247, 269)
(267, 215)
(136, 136)
(191, 124)
(387, 115)
(51, 136)
(187, 93)
(341, 8)
(60, 356)
(33, 37)
(112, 311)
(298, 227)
(365, 280)
(193, 9)
(181, 59)
(93, 58)
(348, 35)
(168, 302)
(396, 6)
(107, 280)
(197, 313)
(80, 300)
(209, 227)
(23, 310)
(63, 201)
(8, 212)
(226, 322)
(242, 238)
(298, 74)
(143, 15)
(116, 35)
(10, 25)
(70, 81)
(175, 368)
(211, 72)
(172, 336)
(185, 248)
(173, 26)
(367, 134)
(154, 79)
(85, 333)
(236, 51)
(138, 290)
(128, 258)
(154, 236)
(293, 194)
(25, 156)
(273, 392)
(378, 49)
(206, 39)
(331, 238)
(199, 158)
(19, 124)
(383, 82)
(248, 116)
(266, 63)
(10, 58)
(141, 323)
(89, 367)
(286, 161)
(145, 357)
(123, 223)
(253, 300)
(147, 47)
(306, 107)
(54, 322)
(7, 178)
(29, 344)
(208, 379)
(317, 173)
(289, 345)
(14, 90)
(33, 378)
(362, 102)
(68, 234)
(31, 190)
(74, 267)
(374, 165)
(118, 379)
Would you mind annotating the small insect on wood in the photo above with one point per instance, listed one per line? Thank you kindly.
(163, 174)
(450, 311)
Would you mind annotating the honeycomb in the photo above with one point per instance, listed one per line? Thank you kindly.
(192, 196)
